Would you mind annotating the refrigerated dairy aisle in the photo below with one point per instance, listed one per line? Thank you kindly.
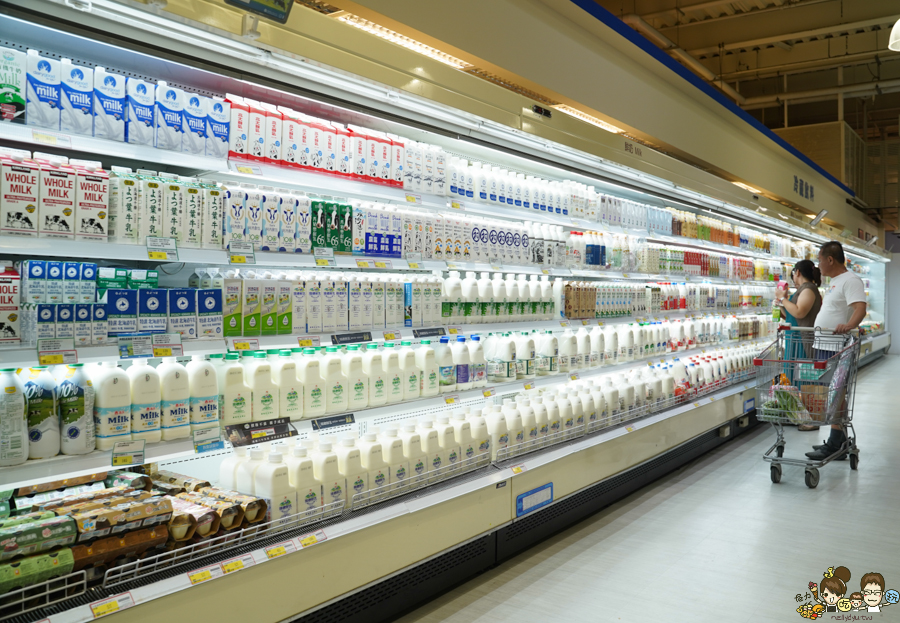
(713, 541)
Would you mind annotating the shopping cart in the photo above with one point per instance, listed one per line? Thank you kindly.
(808, 376)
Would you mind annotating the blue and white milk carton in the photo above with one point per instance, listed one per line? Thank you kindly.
(193, 126)
(76, 99)
(140, 102)
(169, 113)
(42, 98)
(209, 313)
(218, 121)
(183, 312)
(121, 311)
(109, 105)
(153, 310)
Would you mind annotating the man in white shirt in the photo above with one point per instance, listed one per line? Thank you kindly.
(843, 308)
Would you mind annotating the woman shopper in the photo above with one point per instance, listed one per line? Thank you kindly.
(800, 310)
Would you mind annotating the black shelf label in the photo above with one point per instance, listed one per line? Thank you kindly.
(324, 423)
(263, 431)
(436, 332)
(351, 338)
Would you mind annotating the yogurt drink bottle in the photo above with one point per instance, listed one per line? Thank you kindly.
(228, 468)
(303, 480)
(265, 392)
(447, 441)
(325, 469)
(290, 391)
(398, 464)
(145, 401)
(308, 374)
(357, 381)
(436, 462)
(372, 459)
(426, 362)
(411, 374)
(235, 404)
(351, 468)
(244, 474)
(412, 450)
(373, 368)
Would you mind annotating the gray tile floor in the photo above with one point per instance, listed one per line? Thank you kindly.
(716, 540)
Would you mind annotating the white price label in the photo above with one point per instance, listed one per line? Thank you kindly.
(57, 352)
(128, 453)
(312, 539)
(244, 343)
(163, 249)
(241, 253)
(111, 605)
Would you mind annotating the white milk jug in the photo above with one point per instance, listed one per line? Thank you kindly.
(75, 396)
(42, 413)
(13, 420)
(290, 392)
(204, 407)
(146, 394)
(175, 391)
(112, 405)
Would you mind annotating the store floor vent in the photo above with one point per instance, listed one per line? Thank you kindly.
(542, 524)
(408, 589)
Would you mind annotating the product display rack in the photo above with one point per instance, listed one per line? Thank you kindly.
(347, 548)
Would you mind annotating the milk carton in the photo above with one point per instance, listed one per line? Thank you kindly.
(251, 305)
(124, 207)
(345, 221)
(254, 210)
(358, 229)
(319, 224)
(169, 112)
(285, 307)
(193, 215)
(398, 160)
(43, 91)
(239, 127)
(317, 147)
(182, 305)
(10, 306)
(193, 124)
(71, 282)
(153, 308)
(56, 207)
(290, 136)
(218, 121)
(19, 194)
(333, 225)
(151, 194)
(65, 321)
(12, 76)
(235, 215)
(140, 109)
(109, 105)
(174, 199)
(304, 223)
(344, 150)
(273, 130)
(99, 330)
(298, 306)
(209, 313)
(341, 305)
(232, 297)
(91, 202)
(213, 202)
(271, 219)
(88, 277)
(314, 304)
(46, 321)
(82, 324)
(54, 282)
(256, 131)
(34, 281)
(329, 304)
(268, 310)
(76, 98)
(357, 150)
(287, 227)
(121, 311)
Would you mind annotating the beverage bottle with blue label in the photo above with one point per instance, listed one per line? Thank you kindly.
(112, 405)
(204, 407)
(461, 360)
(145, 401)
(446, 366)
(176, 399)
(43, 419)
(75, 397)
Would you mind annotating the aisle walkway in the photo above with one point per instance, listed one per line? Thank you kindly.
(715, 541)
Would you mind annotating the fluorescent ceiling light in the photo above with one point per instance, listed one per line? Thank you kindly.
(818, 218)
(574, 112)
(404, 41)
(746, 187)
(894, 43)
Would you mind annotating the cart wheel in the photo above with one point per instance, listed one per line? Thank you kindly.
(779, 451)
(812, 478)
(854, 461)
(776, 473)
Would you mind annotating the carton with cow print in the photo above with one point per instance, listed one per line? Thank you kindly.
(9, 305)
(19, 187)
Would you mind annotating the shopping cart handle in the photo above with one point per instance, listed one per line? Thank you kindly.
(757, 362)
(819, 365)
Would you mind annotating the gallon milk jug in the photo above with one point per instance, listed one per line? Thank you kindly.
(547, 354)
(265, 392)
(244, 474)
(75, 395)
(525, 356)
(302, 478)
(357, 381)
(112, 405)
(462, 437)
(393, 375)
(553, 418)
(477, 362)
(583, 343)
(228, 468)
(411, 375)
(498, 433)
(481, 437)
(290, 392)
(426, 362)
(372, 459)
(436, 462)
(502, 361)
(514, 423)
(540, 418)
(447, 440)
(234, 395)
(597, 347)
(351, 468)
(566, 413)
(176, 399)
(568, 352)
(529, 422)
(373, 368)
(146, 411)
(325, 469)
(460, 354)
(446, 366)
(43, 415)
(204, 407)
(13, 420)
(312, 384)
(272, 483)
(412, 450)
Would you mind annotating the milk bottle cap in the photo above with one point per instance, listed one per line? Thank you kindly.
(525, 402)
(141, 361)
(390, 432)
(445, 340)
(459, 415)
(274, 457)
(348, 442)
(538, 400)
(298, 451)
(507, 401)
(476, 413)
(273, 351)
(232, 357)
(170, 360)
(426, 423)
(324, 446)
(388, 344)
(476, 338)
(213, 356)
(240, 451)
(309, 351)
(108, 364)
(426, 342)
(443, 419)
(284, 352)
(461, 339)
(257, 454)
(197, 357)
(409, 427)
(353, 347)
(405, 343)
(371, 346)
(296, 350)
(331, 349)
(370, 437)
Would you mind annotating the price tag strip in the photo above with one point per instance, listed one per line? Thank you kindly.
(46, 137)
(365, 264)
(244, 343)
(453, 399)
(312, 539)
(128, 453)
(208, 440)
(324, 256)
(167, 345)
(412, 198)
(56, 352)
(488, 392)
(264, 431)
(112, 605)
(518, 469)
(392, 335)
(236, 564)
(203, 575)
(309, 341)
(413, 259)
(163, 249)
(454, 330)
(281, 549)
(383, 264)
(241, 253)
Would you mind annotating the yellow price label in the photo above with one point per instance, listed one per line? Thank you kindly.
(584, 323)
(247, 170)
(452, 331)
(46, 139)
(309, 540)
(258, 434)
(380, 265)
(413, 264)
(630, 429)
(234, 565)
(518, 469)
(200, 576)
(304, 342)
(238, 259)
(545, 271)
(157, 255)
(488, 392)
(275, 552)
(450, 400)
(529, 385)
(123, 459)
(162, 352)
(712, 398)
(455, 205)
(410, 198)
(574, 377)
(242, 346)
(390, 336)
(563, 323)
(322, 262)
(50, 360)
(697, 404)
(599, 323)
(625, 275)
(362, 263)
(103, 609)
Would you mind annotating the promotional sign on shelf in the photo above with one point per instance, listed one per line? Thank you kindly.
(351, 338)
(56, 352)
(434, 332)
(145, 345)
(252, 433)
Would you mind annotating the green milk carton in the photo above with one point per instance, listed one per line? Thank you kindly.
(319, 225)
(346, 222)
(333, 225)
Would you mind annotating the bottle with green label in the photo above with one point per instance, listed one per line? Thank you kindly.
(75, 398)
(43, 412)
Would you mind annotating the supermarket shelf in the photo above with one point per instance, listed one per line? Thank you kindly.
(707, 245)
(24, 357)
(39, 139)
(84, 250)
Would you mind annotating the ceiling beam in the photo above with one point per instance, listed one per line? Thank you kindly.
(849, 60)
(682, 19)
(887, 21)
